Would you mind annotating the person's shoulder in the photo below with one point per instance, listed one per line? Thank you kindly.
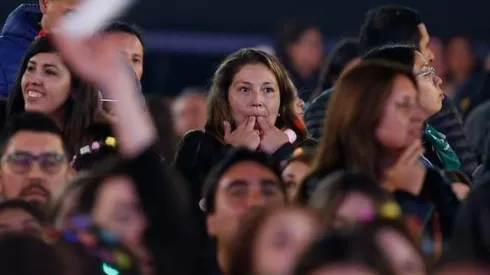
(320, 101)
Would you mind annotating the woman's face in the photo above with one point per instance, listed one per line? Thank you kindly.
(293, 175)
(117, 209)
(281, 240)
(399, 120)
(307, 51)
(46, 83)
(254, 91)
(355, 206)
(431, 95)
(402, 256)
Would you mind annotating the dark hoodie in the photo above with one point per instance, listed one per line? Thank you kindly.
(19, 30)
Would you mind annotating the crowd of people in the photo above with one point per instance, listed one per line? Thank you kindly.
(361, 167)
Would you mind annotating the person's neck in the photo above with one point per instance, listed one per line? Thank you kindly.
(58, 118)
(304, 71)
(222, 259)
(387, 161)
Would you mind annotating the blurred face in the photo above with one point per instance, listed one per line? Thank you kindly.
(355, 207)
(189, 113)
(437, 48)
(307, 52)
(46, 84)
(395, 124)
(293, 175)
(431, 94)
(243, 186)
(342, 269)
(281, 240)
(51, 8)
(254, 91)
(67, 207)
(460, 57)
(402, 256)
(132, 49)
(34, 167)
(18, 220)
(118, 210)
(424, 45)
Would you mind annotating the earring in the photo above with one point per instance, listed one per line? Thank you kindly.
(278, 115)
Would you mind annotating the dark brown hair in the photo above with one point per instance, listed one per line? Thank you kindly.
(356, 107)
(242, 251)
(81, 109)
(218, 103)
(334, 188)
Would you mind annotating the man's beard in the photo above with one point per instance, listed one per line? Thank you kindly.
(40, 190)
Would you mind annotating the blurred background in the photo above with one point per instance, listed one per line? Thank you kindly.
(186, 39)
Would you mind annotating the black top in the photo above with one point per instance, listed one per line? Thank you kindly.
(169, 235)
(198, 152)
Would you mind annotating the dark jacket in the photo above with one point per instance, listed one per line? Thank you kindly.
(198, 152)
(19, 30)
(446, 121)
(477, 128)
(468, 95)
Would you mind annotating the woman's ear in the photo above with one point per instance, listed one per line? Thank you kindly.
(43, 5)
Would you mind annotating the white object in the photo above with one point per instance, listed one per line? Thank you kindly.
(91, 16)
(291, 135)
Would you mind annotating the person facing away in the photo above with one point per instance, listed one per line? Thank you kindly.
(399, 24)
(20, 30)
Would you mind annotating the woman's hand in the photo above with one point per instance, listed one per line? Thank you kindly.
(273, 138)
(408, 173)
(244, 135)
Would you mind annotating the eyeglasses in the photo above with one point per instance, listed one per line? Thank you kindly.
(430, 72)
(21, 162)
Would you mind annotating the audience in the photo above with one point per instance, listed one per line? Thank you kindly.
(391, 186)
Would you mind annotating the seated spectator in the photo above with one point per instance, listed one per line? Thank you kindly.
(45, 84)
(189, 110)
(251, 104)
(34, 164)
(295, 170)
(18, 215)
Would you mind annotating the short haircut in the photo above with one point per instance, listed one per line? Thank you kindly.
(32, 122)
(404, 54)
(390, 24)
(120, 26)
(234, 157)
(35, 212)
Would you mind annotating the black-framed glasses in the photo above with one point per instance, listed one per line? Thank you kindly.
(430, 71)
(21, 162)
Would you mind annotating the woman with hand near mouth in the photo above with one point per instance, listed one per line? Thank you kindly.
(47, 85)
(251, 104)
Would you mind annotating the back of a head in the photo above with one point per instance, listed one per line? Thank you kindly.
(28, 121)
(342, 247)
(344, 52)
(22, 254)
(390, 24)
(404, 54)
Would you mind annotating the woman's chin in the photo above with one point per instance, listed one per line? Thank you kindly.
(34, 107)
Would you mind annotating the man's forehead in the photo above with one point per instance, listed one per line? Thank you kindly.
(34, 142)
(247, 172)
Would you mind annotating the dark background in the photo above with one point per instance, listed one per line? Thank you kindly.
(182, 52)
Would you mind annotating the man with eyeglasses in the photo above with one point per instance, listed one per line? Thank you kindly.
(34, 164)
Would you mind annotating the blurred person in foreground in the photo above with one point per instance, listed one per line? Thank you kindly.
(173, 248)
(243, 180)
(189, 110)
(34, 164)
(19, 30)
(20, 216)
(399, 24)
(161, 112)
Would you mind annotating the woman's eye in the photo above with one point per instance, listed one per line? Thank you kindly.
(244, 90)
(269, 90)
